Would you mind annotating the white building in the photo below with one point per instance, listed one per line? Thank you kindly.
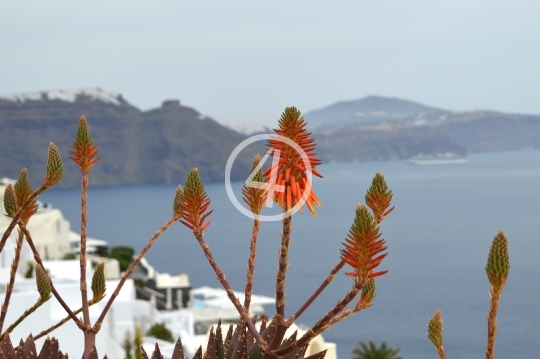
(49, 229)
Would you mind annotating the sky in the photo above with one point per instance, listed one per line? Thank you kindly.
(245, 61)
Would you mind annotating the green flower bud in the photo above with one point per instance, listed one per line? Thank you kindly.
(98, 283)
(10, 201)
(43, 284)
(435, 329)
(55, 169)
(498, 264)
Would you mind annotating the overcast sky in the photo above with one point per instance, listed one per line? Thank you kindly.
(245, 61)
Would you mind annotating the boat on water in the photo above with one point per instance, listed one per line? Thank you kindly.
(447, 158)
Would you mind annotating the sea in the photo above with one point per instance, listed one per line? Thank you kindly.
(438, 239)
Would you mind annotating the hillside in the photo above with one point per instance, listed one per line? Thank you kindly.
(379, 128)
(136, 147)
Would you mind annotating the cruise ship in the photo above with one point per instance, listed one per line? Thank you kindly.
(446, 158)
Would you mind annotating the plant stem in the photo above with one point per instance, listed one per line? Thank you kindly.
(229, 291)
(492, 320)
(37, 258)
(82, 256)
(279, 319)
(9, 289)
(17, 215)
(62, 322)
(283, 265)
(251, 263)
(319, 290)
(321, 323)
(21, 318)
(130, 270)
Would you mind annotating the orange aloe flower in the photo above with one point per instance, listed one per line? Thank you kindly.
(363, 246)
(191, 203)
(291, 170)
(84, 151)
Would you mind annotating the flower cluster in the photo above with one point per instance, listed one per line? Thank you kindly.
(291, 171)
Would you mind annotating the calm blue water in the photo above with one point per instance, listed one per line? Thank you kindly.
(438, 238)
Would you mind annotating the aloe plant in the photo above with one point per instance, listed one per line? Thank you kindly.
(286, 182)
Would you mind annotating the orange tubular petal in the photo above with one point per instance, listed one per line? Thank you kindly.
(289, 198)
(377, 274)
(287, 174)
(293, 187)
(298, 190)
(186, 224)
(388, 212)
(315, 172)
(281, 201)
(204, 226)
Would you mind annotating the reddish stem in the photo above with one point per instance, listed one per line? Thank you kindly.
(319, 290)
(229, 291)
(130, 270)
(251, 263)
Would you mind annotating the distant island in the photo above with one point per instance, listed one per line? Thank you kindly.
(161, 145)
(381, 128)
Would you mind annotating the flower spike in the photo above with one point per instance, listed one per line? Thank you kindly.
(194, 203)
(10, 201)
(55, 169)
(23, 191)
(498, 264)
(98, 283)
(43, 284)
(378, 198)
(254, 196)
(363, 246)
(290, 171)
(368, 294)
(84, 150)
(435, 333)
(177, 203)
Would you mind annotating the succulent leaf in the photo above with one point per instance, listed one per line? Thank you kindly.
(10, 201)
(55, 169)
(98, 282)
(498, 264)
(43, 284)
